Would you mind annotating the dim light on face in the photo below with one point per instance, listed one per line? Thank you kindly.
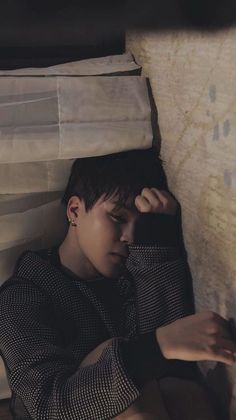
(104, 233)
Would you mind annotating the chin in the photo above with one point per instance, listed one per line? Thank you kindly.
(108, 268)
(112, 272)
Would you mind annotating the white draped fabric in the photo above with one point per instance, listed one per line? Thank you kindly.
(49, 117)
(94, 66)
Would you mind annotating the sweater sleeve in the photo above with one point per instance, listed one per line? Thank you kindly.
(144, 361)
(159, 268)
(159, 229)
(47, 377)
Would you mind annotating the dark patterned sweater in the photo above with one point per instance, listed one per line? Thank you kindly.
(51, 319)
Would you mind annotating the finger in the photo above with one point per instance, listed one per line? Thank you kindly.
(224, 356)
(162, 195)
(222, 351)
(151, 195)
(154, 201)
(169, 204)
(225, 344)
(217, 330)
(142, 204)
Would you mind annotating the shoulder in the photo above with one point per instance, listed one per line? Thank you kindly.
(32, 259)
(33, 268)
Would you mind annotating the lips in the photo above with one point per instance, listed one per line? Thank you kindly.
(118, 259)
(120, 255)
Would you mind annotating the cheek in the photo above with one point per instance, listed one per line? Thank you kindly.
(106, 232)
(97, 235)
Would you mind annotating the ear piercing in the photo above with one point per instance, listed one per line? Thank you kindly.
(72, 222)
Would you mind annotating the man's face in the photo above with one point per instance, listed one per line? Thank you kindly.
(104, 232)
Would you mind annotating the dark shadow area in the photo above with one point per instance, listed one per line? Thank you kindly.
(43, 33)
(38, 34)
(156, 143)
(219, 384)
(220, 390)
(19, 57)
(181, 14)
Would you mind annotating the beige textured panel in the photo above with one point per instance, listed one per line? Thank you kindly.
(193, 80)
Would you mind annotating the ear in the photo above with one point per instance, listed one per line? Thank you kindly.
(74, 206)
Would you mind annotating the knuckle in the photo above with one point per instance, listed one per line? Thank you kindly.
(144, 201)
(214, 331)
(213, 328)
(154, 189)
(145, 207)
(149, 207)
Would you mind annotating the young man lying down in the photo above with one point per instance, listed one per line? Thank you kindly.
(102, 326)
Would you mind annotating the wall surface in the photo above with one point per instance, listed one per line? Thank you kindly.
(193, 78)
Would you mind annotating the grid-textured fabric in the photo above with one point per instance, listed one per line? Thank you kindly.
(49, 324)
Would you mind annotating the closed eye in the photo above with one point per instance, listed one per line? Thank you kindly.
(118, 219)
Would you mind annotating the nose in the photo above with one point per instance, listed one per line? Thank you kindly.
(128, 234)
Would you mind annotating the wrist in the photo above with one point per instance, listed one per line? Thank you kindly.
(163, 342)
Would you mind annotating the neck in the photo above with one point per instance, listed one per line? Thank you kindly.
(72, 257)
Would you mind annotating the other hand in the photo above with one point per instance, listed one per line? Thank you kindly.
(202, 336)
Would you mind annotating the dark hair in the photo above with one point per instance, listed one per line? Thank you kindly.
(125, 173)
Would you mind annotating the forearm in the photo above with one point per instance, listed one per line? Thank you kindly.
(46, 376)
(86, 392)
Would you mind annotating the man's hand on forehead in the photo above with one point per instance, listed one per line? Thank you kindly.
(152, 200)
